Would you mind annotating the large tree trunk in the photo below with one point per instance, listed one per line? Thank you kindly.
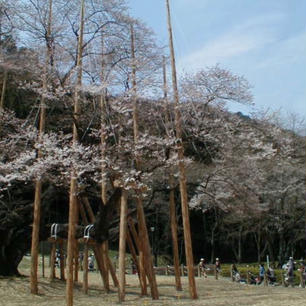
(15, 232)
(15, 236)
(281, 250)
(257, 237)
(237, 246)
(14, 244)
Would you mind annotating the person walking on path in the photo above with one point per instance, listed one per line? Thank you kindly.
(261, 274)
(202, 267)
(217, 267)
(290, 272)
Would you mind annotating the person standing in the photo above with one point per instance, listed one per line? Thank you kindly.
(302, 275)
(261, 274)
(202, 267)
(235, 273)
(217, 267)
(271, 276)
(290, 272)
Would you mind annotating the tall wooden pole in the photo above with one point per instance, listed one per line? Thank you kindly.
(165, 85)
(103, 110)
(103, 163)
(180, 151)
(38, 183)
(145, 249)
(76, 257)
(122, 245)
(173, 223)
(172, 212)
(73, 182)
(96, 249)
(97, 252)
(52, 260)
(3, 89)
(85, 268)
(142, 264)
(62, 260)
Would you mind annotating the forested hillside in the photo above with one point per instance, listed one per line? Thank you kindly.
(245, 174)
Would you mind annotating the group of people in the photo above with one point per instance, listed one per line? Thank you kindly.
(263, 274)
(289, 268)
(253, 279)
(270, 275)
(203, 267)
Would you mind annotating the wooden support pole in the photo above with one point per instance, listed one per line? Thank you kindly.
(132, 249)
(52, 261)
(122, 245)
(98, 253)
(71, 241)
(165, 85)
(172, 211)
(102, 263)
(73, 181)
(62, 260)
(103, 111)
(139, 246)
(104, 253)
(85, 269)
(103, 154)
(182, 270)
(180, 151)
(144, 248)
(135, 259)
(176, 260)
(199, 271)
(88, 209)
(112, 271)
(133, 231)
(35, 239)
(76, 262)
(302, 277)
(3, 89)
(38, 183)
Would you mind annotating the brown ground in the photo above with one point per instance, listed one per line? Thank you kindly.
(15, 291)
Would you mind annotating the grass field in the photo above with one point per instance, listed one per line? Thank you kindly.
(222, 292)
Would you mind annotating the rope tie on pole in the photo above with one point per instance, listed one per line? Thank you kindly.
(87, 231)
(54, 230)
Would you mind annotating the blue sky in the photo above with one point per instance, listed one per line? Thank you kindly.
(263, 40)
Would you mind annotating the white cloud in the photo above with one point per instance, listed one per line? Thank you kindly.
(288, 51)
(240, 39)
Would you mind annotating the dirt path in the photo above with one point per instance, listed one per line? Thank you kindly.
(15, 291)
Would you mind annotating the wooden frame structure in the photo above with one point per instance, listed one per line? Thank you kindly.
(137, 240)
